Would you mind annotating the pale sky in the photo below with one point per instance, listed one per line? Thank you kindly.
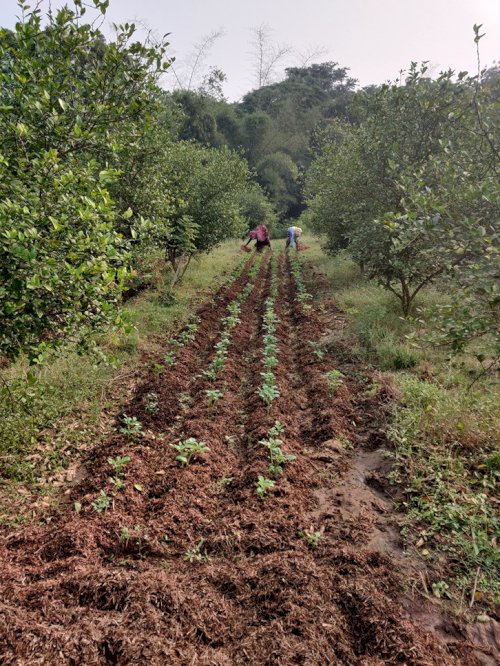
(374, 38)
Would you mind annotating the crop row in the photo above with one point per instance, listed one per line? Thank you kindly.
(302, 294)
(230, 321)
(269, 390)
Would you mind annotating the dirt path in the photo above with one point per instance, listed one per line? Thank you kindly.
(188, 565)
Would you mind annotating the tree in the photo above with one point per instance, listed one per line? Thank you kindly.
(66, 97)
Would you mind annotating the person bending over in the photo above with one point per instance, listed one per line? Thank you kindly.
(261, 235)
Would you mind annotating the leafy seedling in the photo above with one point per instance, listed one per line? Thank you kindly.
(213, 397)
(262, 485)
(268, 393)
(151, 402)
(187, 449)
(319, 353)
(169, 359)
(131, 427)
(119, 463)
(311, 537)
(101, 503)
(334, 379)
(197, 554)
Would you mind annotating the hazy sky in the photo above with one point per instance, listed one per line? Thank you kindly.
(374, 38)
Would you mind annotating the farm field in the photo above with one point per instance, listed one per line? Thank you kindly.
(238, 515)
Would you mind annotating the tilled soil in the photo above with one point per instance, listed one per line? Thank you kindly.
(188, 565)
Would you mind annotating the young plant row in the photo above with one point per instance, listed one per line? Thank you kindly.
(230, 321)
(269, 390)
(277, 459)
(237, 272)
(302, 294)
(187, 335)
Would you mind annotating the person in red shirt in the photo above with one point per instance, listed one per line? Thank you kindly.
(261, 235)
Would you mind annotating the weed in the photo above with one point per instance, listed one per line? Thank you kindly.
(219, 486)
(187, 449)
(197, 554)
(158, 368)
(441, 589)
(119, 463)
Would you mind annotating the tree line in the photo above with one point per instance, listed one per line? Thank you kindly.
(95, 172)
(411, 189)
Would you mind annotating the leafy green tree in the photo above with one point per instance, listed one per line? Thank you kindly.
(64, 92)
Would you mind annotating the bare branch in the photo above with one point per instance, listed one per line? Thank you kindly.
(304, 58)
(267, 55)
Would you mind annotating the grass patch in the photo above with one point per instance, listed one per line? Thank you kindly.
(46, 423)
(445, 434)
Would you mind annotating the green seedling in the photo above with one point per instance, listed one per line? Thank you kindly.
(151, 402)
(169, 359)
(262, 485)
(319, 353)
(187, 449)
(102, 502)
(268, 393)
(311, 537)
(119, 463)
(185, 399)
(441, 590)
(131, 427)
(158, 368)
(334, 379)
(124, 535)
(277, 429)
(213, 397)
(197, 554)
(269, 362)
(117, 482)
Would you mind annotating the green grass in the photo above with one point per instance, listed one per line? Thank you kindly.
(444, 432)
(45, 424)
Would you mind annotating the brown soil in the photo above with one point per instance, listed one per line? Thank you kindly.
(206, 572)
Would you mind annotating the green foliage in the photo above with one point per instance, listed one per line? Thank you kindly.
(63, 264)
(187, 449)
(311, 537)
(213, 397)
(263, 485)
(102, 502)
(413, 190)
(450, 486)
(131, 427)
(119, 463)
(198, 553)
(334, 379)
(151, 402)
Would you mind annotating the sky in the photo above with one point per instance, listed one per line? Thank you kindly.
(374, 38)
